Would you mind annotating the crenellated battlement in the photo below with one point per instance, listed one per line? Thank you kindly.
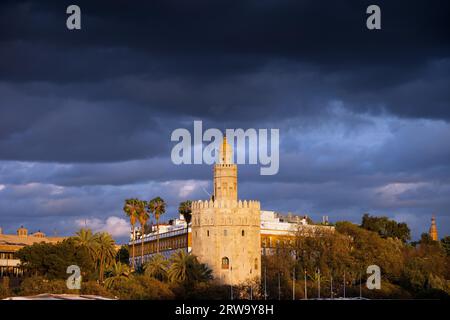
(225, 203)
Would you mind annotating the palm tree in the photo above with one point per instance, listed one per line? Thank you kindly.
(157, 267)
(105, 252)
(116, 273)
(185, 268)
(185, 209)
(86, 239)
(157, 207)
(143, 216)
(131, 208)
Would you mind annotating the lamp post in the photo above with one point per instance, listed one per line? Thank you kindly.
(306, 292)
(279, 285)
(231, 282)
(293, 284)
(318, 283)
(344, 284)
(331, 286)
(360, 289)
(265, 282)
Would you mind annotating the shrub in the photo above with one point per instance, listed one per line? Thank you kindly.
(40, 285)
(93, 288)
(4, 291)
(154, 289)
(140, 287)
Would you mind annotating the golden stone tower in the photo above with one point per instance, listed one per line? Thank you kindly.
(225, 230)
(433, 229)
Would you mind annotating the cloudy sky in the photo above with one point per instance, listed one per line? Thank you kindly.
(86, 116)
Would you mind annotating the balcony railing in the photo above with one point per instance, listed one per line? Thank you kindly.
(164, 235)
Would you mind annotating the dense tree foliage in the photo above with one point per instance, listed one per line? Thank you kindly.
(123, 255)
(157, 267)
(186, 269)
(446, 245)
(52, 260)
(338, 260)
(4, 288)
(386, 228)
(343, 257)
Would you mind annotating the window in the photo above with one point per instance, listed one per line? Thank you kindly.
(243, 233)
(225, 263)
(256, 264)
(207, 233)
(225, 232)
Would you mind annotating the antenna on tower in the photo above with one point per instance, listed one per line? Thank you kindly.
(209, 194)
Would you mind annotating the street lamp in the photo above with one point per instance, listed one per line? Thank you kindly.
(306, 292)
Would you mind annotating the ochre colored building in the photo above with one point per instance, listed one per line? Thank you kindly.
(11, 243)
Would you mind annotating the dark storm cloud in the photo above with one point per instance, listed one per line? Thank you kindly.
(205, 43)
(86, 116)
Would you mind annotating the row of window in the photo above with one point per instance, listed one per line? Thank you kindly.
(269, 243)
(225, 233)
(6, 255)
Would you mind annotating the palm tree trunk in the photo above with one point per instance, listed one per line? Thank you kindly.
(187, 237)
(142, 245)
(157, 235)
(101, 268)
(132, 245)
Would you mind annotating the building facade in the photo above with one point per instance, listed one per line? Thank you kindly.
(173, 236)
(11, 243)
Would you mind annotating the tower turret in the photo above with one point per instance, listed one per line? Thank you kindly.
(433, 229)
(225, 174)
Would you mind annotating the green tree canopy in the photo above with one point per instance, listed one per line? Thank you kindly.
(51, 260)
(386, 228)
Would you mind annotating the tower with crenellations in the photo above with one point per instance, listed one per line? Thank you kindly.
(225, 230)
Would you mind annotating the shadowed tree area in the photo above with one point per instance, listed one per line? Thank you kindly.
(340, 260)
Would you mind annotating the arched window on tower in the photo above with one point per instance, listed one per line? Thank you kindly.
(225, 263)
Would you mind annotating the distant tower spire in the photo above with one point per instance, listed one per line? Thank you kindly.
(433, 229)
